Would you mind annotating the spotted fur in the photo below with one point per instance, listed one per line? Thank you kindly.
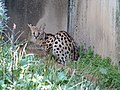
(61, 44)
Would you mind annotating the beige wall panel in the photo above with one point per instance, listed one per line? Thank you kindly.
(94, 24)
(55, 16)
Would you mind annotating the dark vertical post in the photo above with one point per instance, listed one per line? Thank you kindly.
(70, 17)
(118, 29)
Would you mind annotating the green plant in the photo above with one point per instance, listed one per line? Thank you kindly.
(31, 72)
(100, 69)
(3, 15)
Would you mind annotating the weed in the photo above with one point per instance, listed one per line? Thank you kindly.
(97, 69)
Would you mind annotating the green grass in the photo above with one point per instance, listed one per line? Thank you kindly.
(34, 73)
(99, 68)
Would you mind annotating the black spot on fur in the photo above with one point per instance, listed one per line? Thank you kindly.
(52, 40)
(48, 41)
(50, 44)
(59, 34)
(47, 46)
(57, 48)
(43, 42)
(57, 37)
(62, 43)
(65, 56)
(65, 41)
(62, 58)
(46, 37)
(69, 48)
(64, 37)
(67, 52)
(60, 46)
(61, 38)
(56, 51)
(56, 42)
(65, 47)
(71, 51)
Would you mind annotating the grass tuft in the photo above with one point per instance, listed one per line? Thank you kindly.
(90, 72)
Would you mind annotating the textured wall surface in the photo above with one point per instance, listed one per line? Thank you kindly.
(94, 24)
(55, 16)
(23, 12)
(36, 12)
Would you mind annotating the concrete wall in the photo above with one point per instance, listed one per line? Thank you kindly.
(51, 12)
(95, 25)
(55, 16)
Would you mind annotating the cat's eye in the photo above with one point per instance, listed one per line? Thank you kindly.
(38, 33)
(33, 33)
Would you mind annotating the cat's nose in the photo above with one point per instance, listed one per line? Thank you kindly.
(35, 37)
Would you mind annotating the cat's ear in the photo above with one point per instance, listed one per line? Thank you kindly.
(30, 26)
(42, 27)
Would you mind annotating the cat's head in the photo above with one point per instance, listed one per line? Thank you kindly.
(37, 33)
